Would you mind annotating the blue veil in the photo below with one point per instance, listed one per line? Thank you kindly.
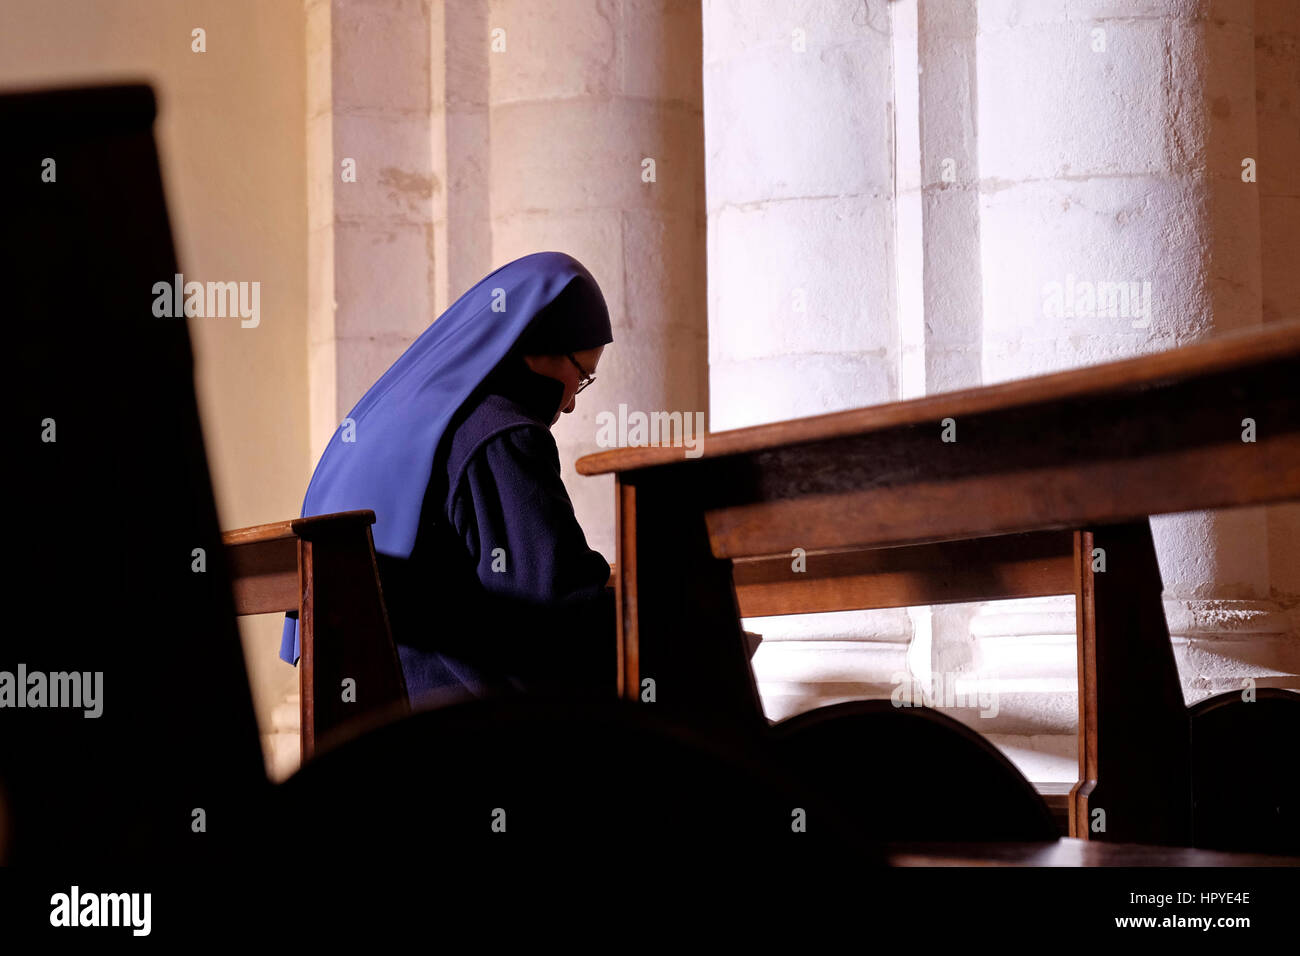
(381, 456)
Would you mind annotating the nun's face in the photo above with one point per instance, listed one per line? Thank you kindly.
(559, 367)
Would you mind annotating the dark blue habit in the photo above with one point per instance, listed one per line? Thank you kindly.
(487, 576)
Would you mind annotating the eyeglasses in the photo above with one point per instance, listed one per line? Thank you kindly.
(587, 378)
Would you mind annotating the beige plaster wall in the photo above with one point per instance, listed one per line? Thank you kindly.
(231, 134)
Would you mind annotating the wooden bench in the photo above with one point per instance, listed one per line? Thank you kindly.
(1069, 463)
(1035, 564)
(323, 567)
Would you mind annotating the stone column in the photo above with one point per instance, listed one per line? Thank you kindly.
(462, 224)
(375, 276)
(941, 49)
(1114, 222)
(597, 150)
(945, 51)
(371, 188)
(801, 240)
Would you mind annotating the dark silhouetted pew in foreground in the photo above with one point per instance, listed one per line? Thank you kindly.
(1245, 775)
(1035, 564)
(892, 770)
(108, 492)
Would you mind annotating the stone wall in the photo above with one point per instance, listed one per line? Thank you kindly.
(1010, 147)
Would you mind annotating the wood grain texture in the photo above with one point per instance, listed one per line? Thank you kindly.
(1055, 465)
(1008, 566)
(1277, 343)
(323, 567)
(264, 574)
(1137, 760)
(625, 590)
(293, 526)
(1085, 623)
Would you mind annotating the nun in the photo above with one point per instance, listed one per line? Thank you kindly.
(490, 585)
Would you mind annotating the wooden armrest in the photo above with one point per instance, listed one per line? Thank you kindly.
(263, 559)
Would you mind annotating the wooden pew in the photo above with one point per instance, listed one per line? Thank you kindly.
(1090, 452)
(175, 730)
(1035, 564)
(324, 568)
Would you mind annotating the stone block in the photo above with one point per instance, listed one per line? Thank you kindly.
(395, 180)
(796, 386)
(659, 48)
(737, 29)
(1050, 107)
(554, 54)
(381, 56)
(769, 133)
(582, 154)
(384, 279)
(832, 257)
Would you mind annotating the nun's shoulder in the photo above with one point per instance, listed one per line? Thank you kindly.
(496, 418)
